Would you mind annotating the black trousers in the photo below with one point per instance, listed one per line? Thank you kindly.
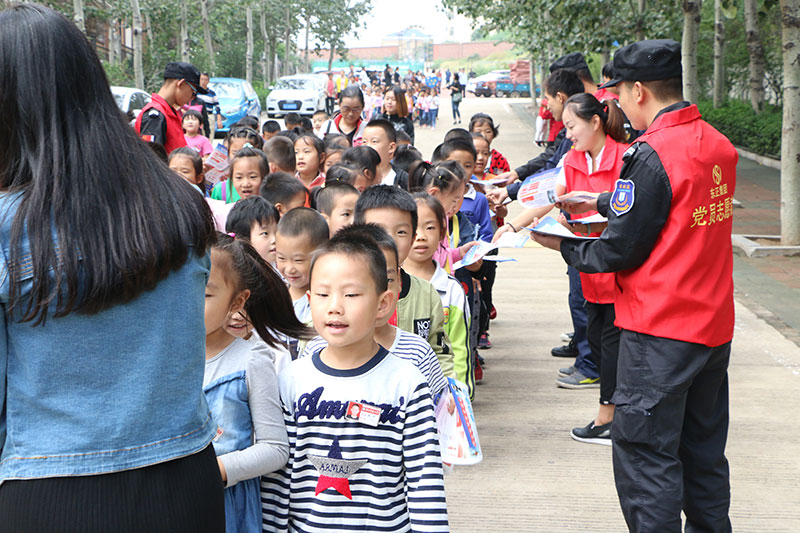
(669, 433)
(330, 104)
(181, 495)
(603, 337)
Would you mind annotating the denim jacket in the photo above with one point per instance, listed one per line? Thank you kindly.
(116, 390)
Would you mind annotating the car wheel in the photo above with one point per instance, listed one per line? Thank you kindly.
(499, 94)
(515, 94)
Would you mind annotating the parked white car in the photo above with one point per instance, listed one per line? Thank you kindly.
(302, 94)
(130, 99)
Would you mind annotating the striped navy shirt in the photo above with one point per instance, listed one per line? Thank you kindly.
(345, 474)
(406, 346)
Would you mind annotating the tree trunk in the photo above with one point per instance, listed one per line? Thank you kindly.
(330, 58)
(148, 32)
(138, 72)
(640, 25)
(719, 54)
(110, 33)
(756, 51)
(212, 60)
(605, 57)
(691, 25)
(78, 16)
(287, 41)
(790, 139)
(306, 64)
(273, 49)
(184, 37)
(249, 51)
(265, 59)
(115, 47)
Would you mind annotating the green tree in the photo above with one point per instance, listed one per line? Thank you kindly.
(335, 19)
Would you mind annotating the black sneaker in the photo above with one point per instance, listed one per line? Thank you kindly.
(592, 434)
(569, 350)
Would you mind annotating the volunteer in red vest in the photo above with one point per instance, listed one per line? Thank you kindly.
(159, 122)
(669, 241)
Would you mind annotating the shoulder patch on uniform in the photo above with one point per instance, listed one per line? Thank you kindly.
(630, 151)
(153, 113)
(622, 198)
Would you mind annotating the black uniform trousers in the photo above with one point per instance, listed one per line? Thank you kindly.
(669, 434)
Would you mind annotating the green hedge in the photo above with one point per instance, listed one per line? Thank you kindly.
(736, 120)
(262, 92)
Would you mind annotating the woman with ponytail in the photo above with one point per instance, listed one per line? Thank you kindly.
(594, 164)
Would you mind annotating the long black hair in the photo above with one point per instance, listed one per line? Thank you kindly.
(106, 219)
(269, 307)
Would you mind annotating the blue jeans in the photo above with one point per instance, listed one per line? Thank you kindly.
(587, 361)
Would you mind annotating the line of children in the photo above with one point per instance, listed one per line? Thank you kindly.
(407, 334)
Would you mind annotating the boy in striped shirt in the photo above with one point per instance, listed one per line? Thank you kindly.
(364, 453)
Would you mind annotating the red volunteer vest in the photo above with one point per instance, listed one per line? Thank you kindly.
(684, 289)
(597, 288)
(175, 138)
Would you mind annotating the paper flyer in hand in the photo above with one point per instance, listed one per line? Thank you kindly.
(475, 254)
(548, 226)
(458, 434)
(539, 190)
(576, 199)
(216, 165)
(510, 239)
(491, 181)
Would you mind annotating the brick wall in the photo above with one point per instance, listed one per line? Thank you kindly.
(440, 51)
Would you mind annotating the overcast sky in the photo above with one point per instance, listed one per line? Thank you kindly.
(390, 16)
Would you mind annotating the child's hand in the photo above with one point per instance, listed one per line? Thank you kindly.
(464, 249)
(563, 221)
(476, 266)
(505, 228)
(496, 196)
(501, 211)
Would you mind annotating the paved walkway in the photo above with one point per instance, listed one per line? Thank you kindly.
(534, 477)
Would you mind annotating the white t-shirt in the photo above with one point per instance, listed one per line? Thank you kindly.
(388, 179)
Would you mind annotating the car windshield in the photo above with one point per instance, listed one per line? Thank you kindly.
(227, 89)
(294, 83)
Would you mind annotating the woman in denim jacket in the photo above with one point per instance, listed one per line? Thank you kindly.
(103, 265)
